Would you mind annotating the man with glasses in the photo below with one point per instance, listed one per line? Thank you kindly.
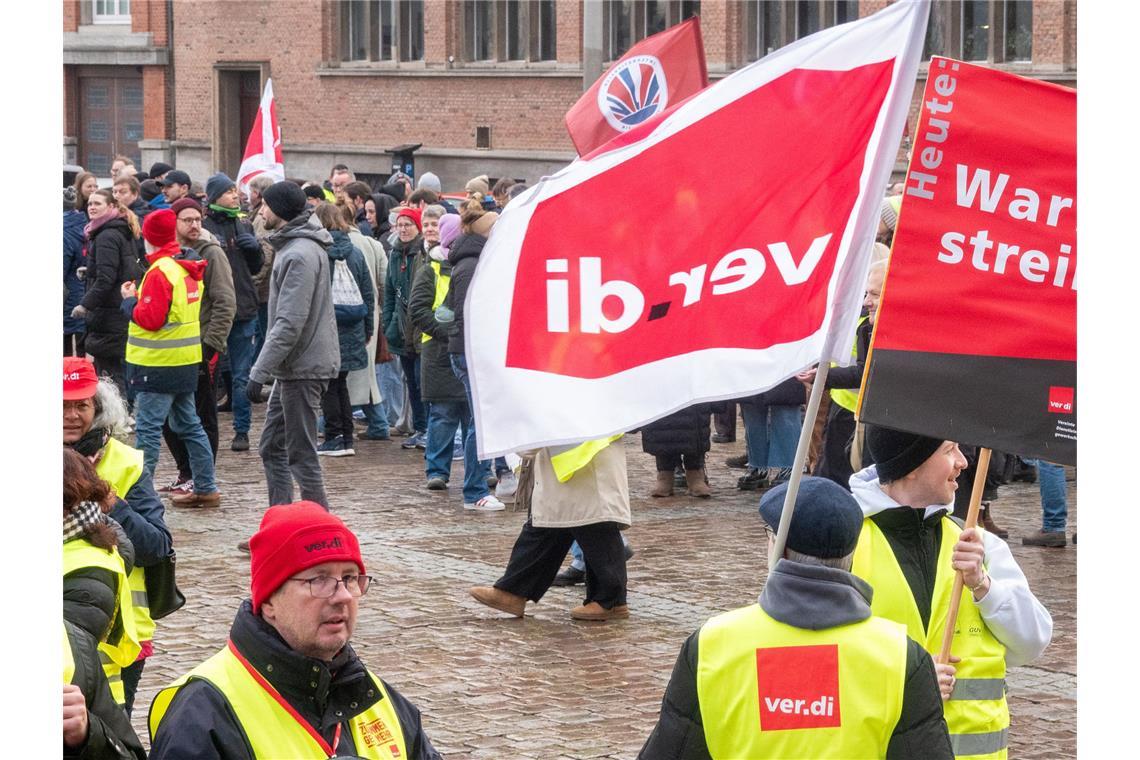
(288, 683)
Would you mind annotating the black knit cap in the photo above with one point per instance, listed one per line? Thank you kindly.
(285, 199)
(825, 523)
(897, 453)
(315, 192)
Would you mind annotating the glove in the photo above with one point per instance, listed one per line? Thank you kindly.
(253, 391)
(247, 242)
(79, 312)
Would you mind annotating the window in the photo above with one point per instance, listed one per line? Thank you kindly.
(1018, 30)
(509, 30)
(988, 31)
(625, 22)
(381, 30)
(111, 11)
(771, 24)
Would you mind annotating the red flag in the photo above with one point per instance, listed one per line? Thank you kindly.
(263, 149)
(658, 71)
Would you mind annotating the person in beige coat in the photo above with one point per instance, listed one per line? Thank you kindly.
(363, 388)
(592, 507)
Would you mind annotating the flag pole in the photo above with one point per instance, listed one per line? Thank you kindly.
(801, 457)
(971, 521)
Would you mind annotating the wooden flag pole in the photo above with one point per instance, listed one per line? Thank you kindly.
(801, 457)
(971, 521)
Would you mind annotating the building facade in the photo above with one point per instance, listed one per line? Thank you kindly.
(482, 85)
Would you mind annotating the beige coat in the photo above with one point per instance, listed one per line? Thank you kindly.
(362, 387)
(599, 492)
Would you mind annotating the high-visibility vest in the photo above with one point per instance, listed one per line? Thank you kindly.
(118, 654)
(273, 729)
(567, 460)
(179, 341)
(68, 659)
(122, 466)
(848, 398)
(442, 283)
(976, 713)
(769, 690)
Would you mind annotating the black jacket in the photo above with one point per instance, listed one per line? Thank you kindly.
(244, 264)
(683, 432)
(438, 381)
(915, 541)
(200, 725)
(90, 595)
(852, 377)
(109, 731)
(807, 596)
(112, 259)
(463, 257)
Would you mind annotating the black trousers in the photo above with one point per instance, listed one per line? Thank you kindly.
(834, 461)
(337, 410)
(538, 554)
(668, 462)
(73, 344)
(206, 404)
(116, 369)
(724, 423)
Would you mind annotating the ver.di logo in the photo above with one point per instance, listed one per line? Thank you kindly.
(633, 91)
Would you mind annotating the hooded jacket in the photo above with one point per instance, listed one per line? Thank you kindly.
(353, 329)
(243, 264)
(73, 289)
(464, 257)
(301, 341)
(111, 261)
(404, 261)
(219, 303)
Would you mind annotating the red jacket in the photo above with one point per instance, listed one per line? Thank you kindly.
(155, 295)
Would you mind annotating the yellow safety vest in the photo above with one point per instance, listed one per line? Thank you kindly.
(68, 659)
(272, 732)
(567, 460)
(122, 466)
(442, 283)
(118, 654)
(179, 341)
(848, 398)
(976, 713)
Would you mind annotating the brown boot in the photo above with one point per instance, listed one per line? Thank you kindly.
(664, 485)
(991, 526)
(698, 483)
(505, 601)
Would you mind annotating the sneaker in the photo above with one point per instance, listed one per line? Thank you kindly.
(1046, 538)
(192, 499)
(180, 485)
(375, 437)
(436, 484)
(456, 452)
(224, 404)
(240, 442)
(754, 480)
(507, 486)
(779, 475)
(738, 463)
(571, 576)
(718, 438)
(486, 504)
(336, 447)
(414, 441)
(359, 415)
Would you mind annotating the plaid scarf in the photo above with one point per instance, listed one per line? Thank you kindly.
(82, 517)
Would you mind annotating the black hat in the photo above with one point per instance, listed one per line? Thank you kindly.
(159, 168)
(148, 189)
(896, 453)
(175, 177)
(284, 199)
(825, 523)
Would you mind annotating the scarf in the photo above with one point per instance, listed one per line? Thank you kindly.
(82, 517)
(92, 442)
(93, 226)
(232, 213)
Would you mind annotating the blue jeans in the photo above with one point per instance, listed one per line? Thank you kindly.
(151, 410)
(773, 432)
(578, 559)
(411, 366)
(262, 326)
(444, 418)
(377, 422)
(239, 347)
(390, 378)
(475, 472)
(1054, 507)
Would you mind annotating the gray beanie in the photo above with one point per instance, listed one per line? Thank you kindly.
(429, 181)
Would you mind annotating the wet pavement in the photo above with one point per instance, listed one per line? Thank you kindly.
(492, 686)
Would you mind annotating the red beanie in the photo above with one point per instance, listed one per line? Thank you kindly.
(79, 379)
(158, 227)
(292, 538)
(413, 214)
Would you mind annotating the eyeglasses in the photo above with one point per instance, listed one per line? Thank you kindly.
(192, 222)
(324, 586)
(406, 226)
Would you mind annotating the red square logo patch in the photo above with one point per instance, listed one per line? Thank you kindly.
(1060, 400)
(798, 687)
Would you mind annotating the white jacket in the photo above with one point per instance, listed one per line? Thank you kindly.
(1011, 611)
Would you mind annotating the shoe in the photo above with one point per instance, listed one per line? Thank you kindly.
(240, 442)
(180, 485)
(414, 441)
(698, 484)
(778, 475)
(595, 611)
(336, 447)
(1046, 538)
(456, 452)
(194, 499)
(421, 441)
(504, 601)
(371, 437)
(225, 405)
(492, 481)
(753, 481)
(990, 525)
(243, 546)
(359, 415)
(571, 576)
(436, 484)
(664, 485)
(507, 486)
(486, 504)
(629, 552)
(738, 463)
(718, 438)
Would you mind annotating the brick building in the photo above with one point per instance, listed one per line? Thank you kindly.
(482, 84)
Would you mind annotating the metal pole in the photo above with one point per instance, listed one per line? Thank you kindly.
(801, 457)
(591, 42)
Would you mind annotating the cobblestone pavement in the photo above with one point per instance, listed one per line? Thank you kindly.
(491, 686)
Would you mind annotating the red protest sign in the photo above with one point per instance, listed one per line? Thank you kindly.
(976, 333)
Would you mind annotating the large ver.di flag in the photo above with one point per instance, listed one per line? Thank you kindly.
(709, 254)
(976, 338)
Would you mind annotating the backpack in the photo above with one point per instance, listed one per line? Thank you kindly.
(347, 301)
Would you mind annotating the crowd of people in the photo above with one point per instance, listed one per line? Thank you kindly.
(337, 304)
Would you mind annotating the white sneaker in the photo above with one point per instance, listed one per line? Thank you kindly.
(507, 485)
(486, 504)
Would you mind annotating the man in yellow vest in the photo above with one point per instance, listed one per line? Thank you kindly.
(807, 671)
(288, 684)
(909, 550)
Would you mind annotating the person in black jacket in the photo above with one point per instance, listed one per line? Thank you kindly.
(126, 191)
(809, 602)
(680, 439)
(94, 726)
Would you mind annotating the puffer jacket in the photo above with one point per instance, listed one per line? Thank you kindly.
(438, 381)
(683, 432)
(73, 223)
(111, 261)
(109, 732)
(464, 257)
(90, 594)
(403, 262)
(353, 324)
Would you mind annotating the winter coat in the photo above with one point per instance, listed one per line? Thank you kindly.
(683, 432)
(91, 594)
(790, 392)
(219, 303)
(109, 732)
(597, 493)
(141, 208)
(353, 324)
(464, 257)
(301, 340)
(111, 261)
(261, 279)
(403, 262)
(200, 725)
(244, 264)
(438, 381)
(73, 289)
(362, 385)
(143, 518)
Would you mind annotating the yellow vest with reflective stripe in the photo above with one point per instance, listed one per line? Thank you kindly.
(442, 283)
(976, 713)
(122, 466)
(861, 712)
(271, 731)
(567, 460)
(68, 659)
(179, 341)
(118, 654)
(848, 398)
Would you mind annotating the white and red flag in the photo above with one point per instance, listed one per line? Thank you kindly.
(708, 254)
(659, 71)
(263, 148)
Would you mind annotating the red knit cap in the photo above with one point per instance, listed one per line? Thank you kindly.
(413, 214)
(292, 538)
(158, 227)
(79, 379)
